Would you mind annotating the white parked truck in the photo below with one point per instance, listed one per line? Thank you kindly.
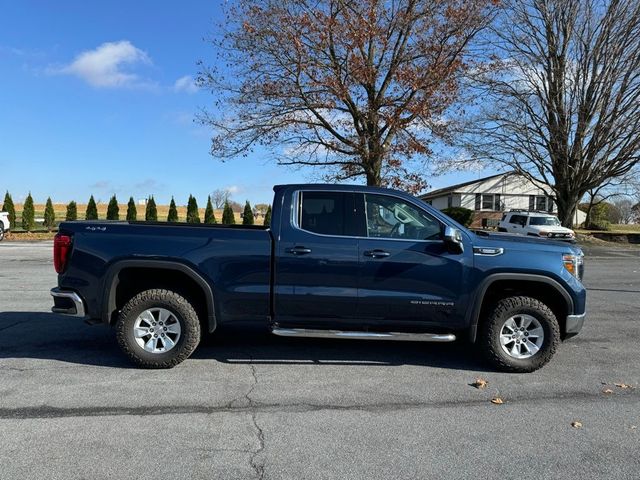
(4, 224)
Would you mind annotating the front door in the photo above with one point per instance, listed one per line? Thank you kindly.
(406, 273)
(317, 261)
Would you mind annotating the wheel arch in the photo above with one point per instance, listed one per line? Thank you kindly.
(129, 277)
(500, 285)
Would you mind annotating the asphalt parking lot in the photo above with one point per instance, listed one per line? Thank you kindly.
(249, 405)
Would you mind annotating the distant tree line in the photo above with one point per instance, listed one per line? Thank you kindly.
(27, 221)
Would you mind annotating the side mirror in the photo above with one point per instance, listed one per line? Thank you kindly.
(453, 240)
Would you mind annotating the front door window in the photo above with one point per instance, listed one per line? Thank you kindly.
(390, 217)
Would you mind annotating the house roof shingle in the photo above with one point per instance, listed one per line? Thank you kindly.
(453, 188)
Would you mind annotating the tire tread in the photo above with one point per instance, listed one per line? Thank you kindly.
(190, 329)
(489, 332)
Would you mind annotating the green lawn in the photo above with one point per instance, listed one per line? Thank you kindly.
(634, 228)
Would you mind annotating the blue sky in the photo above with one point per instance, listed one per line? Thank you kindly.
(97, 98)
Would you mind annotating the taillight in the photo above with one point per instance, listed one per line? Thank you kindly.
(61, 249)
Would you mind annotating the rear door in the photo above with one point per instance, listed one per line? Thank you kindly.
(317, 259)
(406, 273)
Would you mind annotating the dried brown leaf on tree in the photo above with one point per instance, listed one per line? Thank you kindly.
(360, 89)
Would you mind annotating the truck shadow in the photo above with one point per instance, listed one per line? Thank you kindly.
(48, 336)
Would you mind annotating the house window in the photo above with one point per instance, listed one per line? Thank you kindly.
(449, 201)
(541, 203)
(488, 201)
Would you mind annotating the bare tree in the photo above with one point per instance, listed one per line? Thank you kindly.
(622, 211)
(611, 188)
(564, 108)
(261, 208)
(219, 197)
(635, 212)
(357, 88)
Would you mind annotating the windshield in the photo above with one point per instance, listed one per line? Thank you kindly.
(550, 221)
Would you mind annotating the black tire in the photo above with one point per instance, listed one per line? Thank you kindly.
(1, 233)
(502, 229)
(490, 330)
(183, 312)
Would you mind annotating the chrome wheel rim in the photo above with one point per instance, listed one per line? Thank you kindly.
(521, 336)
(157, 330)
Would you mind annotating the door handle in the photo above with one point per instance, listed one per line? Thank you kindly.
(298, 250)
(376, 253)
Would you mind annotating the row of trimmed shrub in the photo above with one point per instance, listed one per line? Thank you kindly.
(113, 212)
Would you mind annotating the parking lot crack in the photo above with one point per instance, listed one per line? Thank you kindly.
(46, 411)
(257, 467)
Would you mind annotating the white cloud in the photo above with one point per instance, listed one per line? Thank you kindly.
(104, 66)
(12, 50)
(185, 84)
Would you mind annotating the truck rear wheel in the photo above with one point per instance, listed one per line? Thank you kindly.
(158, 329)
(520, 335)
(1, 233)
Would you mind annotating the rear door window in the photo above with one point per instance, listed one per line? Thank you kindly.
(328, 213)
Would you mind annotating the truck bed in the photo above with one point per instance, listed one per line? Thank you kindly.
(234, 260)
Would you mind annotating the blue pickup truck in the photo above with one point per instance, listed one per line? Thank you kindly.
(346, 262)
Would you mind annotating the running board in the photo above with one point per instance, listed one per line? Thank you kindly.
(398, 336)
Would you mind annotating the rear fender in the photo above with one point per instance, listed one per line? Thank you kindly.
(111, 281)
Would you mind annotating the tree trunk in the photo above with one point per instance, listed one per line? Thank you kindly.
(587, 220)
(567, 205)
(373, 169)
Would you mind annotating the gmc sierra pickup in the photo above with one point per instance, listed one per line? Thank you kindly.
(345, 262)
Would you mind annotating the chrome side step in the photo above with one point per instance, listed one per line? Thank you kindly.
(398, 336)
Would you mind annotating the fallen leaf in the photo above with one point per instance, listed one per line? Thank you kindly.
(480, 383)
(607, 390)
(576, 424)
(497, 401)
(622, 385)
(633, 427)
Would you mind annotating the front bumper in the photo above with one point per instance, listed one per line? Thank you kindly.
(67, 302)
(574, 324)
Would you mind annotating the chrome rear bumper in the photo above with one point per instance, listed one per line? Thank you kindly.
(67, 302)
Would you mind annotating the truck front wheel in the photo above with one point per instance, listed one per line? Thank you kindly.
(520, 335)
(158, 329)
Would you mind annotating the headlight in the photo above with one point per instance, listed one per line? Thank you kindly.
(573, 264)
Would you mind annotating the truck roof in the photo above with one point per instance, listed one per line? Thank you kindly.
(339, 187)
